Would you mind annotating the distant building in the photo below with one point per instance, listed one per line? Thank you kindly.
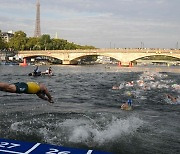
(7, 35)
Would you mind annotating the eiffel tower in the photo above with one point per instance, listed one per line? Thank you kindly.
(37, 32)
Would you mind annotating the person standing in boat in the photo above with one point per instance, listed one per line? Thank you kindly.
(36, 70)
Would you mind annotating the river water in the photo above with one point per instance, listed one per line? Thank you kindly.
(87, 114)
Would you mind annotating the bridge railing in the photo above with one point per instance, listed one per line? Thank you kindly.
(122, 50)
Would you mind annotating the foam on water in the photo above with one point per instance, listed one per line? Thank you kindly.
(154, 80)
(15, 126)
(84, 131)
(176, 87)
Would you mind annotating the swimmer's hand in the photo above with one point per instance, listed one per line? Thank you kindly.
(51, 101)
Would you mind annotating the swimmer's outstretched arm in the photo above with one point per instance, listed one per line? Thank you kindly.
(173, 99)
(43, 96)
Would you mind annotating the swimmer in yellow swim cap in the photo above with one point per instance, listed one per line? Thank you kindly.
(28, 88)
(128, 93)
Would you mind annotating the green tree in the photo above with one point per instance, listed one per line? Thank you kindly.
(33, 43)
(21, 42)
(59, 44)
(45, 41)
(18, 42)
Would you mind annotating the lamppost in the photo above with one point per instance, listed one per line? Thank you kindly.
(142, 45)
(45, 44)
(177, 45)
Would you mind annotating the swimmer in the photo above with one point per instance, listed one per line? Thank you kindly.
(128, 93)
(130, 84)
(173, 99)
(127, 105)
(140, 83)
(115, 87)
(28, 88)
(176, 86)
(124, 106)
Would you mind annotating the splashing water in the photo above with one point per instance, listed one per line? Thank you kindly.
(115, 129)
(83, 131)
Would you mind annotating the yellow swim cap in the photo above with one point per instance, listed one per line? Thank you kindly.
(128, 93)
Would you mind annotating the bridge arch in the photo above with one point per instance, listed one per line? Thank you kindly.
(35, 58)
(153, 55)
(92, 54)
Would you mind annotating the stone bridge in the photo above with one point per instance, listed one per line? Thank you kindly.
(124, 56)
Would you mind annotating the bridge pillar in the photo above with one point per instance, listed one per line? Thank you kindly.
(66, 62)
(130, 64)
(119, 64)
(125, 64)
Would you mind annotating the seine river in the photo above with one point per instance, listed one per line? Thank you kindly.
(86, 113)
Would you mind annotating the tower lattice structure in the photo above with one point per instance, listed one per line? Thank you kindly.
(37, 32)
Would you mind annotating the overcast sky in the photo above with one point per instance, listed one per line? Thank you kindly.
(101, 23)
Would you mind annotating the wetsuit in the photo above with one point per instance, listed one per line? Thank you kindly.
(28, 88)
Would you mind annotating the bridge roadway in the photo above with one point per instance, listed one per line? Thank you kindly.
(124, 56)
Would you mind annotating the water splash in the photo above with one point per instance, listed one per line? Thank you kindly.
(80, 130)
(113, 130)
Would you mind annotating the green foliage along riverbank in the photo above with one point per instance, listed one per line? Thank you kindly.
(20, 41)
